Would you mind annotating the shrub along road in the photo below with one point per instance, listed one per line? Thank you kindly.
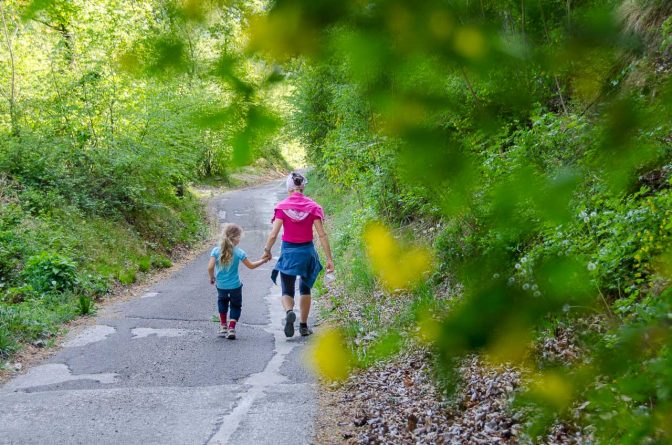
(153, 370)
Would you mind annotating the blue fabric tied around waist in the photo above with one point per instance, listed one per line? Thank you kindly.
(298, 259)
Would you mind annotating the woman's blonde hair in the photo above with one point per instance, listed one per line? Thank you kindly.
(230, 233)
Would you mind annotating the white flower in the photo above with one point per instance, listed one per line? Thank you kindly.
(535, 287)
(592, 266)
(526, 286)
(537, 294)
(511, 281)
(593, 214)
(586, 219)
(495, 276)
(517, 266)
(566, 308)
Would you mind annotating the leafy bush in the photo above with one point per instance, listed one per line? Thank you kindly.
(14, 295)
(50, 272)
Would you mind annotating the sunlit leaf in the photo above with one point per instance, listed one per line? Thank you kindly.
(35, 6)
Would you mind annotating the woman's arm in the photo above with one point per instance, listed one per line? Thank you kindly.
(272, 237)
(254, 264)
(324, 241)
(211, 269)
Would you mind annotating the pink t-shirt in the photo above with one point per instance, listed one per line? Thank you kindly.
(297, 226)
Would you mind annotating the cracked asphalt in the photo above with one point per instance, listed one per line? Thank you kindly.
(153, 371)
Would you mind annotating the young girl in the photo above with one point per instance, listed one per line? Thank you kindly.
(223, 271)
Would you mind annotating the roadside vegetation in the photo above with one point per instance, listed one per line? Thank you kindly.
(531, 161)
(105, 122)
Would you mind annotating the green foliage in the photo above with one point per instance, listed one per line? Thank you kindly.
(48, 272)
(127, 276)
(161, 262)
(102, 134)
(542, 153)
(84, 305)
(144, 264)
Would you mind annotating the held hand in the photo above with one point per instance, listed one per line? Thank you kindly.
(212, 281)
(267, 256)
(330, 266)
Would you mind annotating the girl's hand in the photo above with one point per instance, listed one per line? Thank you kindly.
(212, 280)
(330, 266)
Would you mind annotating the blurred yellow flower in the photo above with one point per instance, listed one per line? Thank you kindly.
(511, 346)
(282, 34)
(329, 357)
(397, 268)
(470, 43)
(662, 264)
(554, 389)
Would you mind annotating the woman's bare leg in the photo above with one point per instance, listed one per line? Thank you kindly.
(287, 303)
(304, 305)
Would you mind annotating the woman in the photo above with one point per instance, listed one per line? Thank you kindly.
(298, 215)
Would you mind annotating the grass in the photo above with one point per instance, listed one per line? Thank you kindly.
(104, 250)
(359, 306)
(85, 305)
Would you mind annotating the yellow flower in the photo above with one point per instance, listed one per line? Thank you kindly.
(396, 267)
(470, 43)
(329, 357)
(553, 388)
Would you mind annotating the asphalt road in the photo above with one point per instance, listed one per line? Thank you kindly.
(153, 371)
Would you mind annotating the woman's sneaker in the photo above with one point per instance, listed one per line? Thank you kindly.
(232, 334)
(223, 331)
(305, 331)
(289, 324)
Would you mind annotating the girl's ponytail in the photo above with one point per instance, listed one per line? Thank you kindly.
(231, 233)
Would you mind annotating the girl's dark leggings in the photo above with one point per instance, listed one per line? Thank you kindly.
(234, 297)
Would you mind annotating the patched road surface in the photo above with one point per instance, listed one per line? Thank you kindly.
(153, 370)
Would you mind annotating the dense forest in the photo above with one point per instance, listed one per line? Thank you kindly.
(496, 171)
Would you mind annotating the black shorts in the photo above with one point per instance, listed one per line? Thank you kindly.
(288, 285)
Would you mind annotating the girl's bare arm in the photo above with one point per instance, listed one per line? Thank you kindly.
(254, 264)
(211, 269)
